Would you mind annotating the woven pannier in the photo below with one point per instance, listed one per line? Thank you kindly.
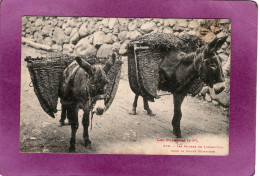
(46, 75)
(146, 55)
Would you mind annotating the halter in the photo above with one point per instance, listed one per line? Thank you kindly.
(92, 102)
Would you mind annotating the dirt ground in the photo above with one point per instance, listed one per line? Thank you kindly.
(116, 131)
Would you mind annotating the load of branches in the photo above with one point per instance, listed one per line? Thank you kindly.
(164, 42)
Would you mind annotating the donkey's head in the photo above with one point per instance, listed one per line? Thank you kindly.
(97, 81)
(211, 69)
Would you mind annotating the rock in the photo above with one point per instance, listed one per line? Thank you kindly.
(54, 22)
(223, 57)
(201, 21)
(208, 98)
(123, 27)
(215, 102)
(228, 39)
(98, 26)
(90, 38)
(105, 50)
(33, 29)
(203, 31)
(24, 20)
(32, 18)
(68, 31)
(106, 30)
(224, 21)
(215, 29)
(105, 22)
(65, 26)
(205, 90)
(176, 33)
(38, 37)
(73, 32)
(123, 36)
(193, 25)
(192, 32)
(123, 21)
(168, 30)
(123, 48)
(75, 38)
(182, 23)
(132, 26)
(226, 68)
(109, 38)
(56, 47)
(83, 30)
(148, 27)
(67, 48)
(71, 22)
(99, 38)
(39, 22)
(60, 23)
(219, 87)
(172, 22)
(116, 45)
(209, 37)
(48, 41)
(47, 30)
(112, 22)
(79, 24)
(58, 35)
(116, 30)
(134, 35)
(85, 49)
(166, 23)
(224, 97)
(221, 34)
(66, 39)
(28, 24)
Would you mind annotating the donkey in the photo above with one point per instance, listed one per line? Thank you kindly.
(203, 64)
(83, 87)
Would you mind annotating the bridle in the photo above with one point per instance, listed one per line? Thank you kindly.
(92, 101)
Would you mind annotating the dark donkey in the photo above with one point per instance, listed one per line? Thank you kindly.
(203, 65)
(83, 87)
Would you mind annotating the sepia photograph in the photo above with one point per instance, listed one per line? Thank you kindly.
(146, 86)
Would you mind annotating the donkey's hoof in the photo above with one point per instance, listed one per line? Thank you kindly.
(132, 113)
(72, 149)
(150, 113)
(177, 133)
(88, 144)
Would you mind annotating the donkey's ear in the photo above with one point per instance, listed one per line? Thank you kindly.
(216, 44)
(109, 63)
(85, 65)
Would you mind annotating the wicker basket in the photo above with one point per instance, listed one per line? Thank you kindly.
(46, 75)
(146, 55)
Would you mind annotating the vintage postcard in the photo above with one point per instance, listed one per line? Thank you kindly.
(148, 86)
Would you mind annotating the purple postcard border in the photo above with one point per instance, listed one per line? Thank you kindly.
(241, 158)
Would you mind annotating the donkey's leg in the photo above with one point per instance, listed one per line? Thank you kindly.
(134, 105)
(73, 116)
(85, 123)
(63, 115)
(176, 121)
(147, 108)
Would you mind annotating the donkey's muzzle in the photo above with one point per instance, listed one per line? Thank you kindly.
(100, 111)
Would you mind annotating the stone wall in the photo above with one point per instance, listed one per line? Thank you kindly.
(97, 36)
